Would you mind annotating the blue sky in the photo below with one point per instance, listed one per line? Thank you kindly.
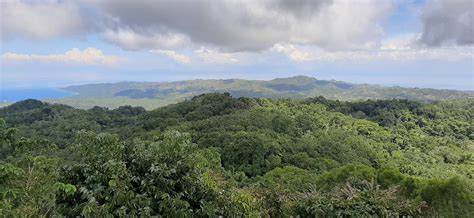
(393, 42)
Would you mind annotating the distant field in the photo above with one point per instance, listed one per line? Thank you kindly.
(114, 102)
(4, 104)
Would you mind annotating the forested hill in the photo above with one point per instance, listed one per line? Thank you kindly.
(152, 94)
(217, 155)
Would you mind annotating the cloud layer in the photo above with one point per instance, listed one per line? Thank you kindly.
(41, 20)
(245, 25)
(227, 25)
(404, 48)
(87, 56)
(448, 21)
(223, 32)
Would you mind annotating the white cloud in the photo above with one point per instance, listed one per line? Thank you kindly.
(40, 20)
(293, 53)
(183, 59)
(131, 40)
(87, 56)
(214, 56)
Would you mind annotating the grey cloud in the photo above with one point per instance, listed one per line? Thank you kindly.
(249, 25)
(300, 7)
(221, 23)
(448, 21)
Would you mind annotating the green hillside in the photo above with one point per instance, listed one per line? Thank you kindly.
(217, 155)
(152, 94)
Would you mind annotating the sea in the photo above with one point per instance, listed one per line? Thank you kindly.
(18, 94)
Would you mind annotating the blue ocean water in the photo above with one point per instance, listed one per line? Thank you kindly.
(18, 94)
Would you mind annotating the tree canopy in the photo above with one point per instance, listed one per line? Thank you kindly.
(216, 155)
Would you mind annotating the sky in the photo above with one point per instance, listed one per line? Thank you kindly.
(411, 43)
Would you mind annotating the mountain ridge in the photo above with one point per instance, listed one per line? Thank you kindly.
(69, 87)
(157, 94)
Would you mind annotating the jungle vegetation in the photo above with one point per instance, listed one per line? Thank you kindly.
(218, 155)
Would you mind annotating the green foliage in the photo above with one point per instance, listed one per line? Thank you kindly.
(365, 200)
(28, 187)
(167, 176)
(8, 142)
(215, 155)
(291, 178)
(448, 198)
(352, 174)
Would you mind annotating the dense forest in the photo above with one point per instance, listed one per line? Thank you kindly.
(217, 155)
(151, 95)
